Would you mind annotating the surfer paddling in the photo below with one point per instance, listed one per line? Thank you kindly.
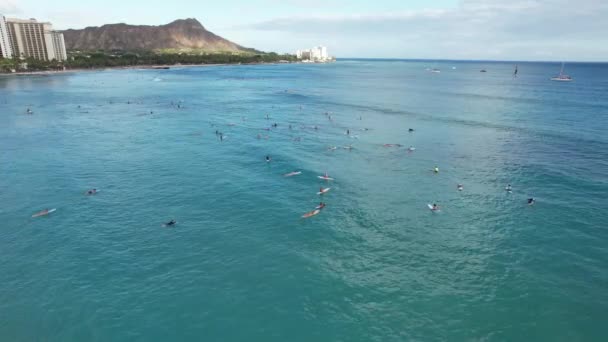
(43, 212)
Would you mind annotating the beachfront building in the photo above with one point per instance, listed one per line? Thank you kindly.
(316, 54)
(6, 50)
(55, 45)
(32, 39)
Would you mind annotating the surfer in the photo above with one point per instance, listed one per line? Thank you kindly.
(435, 207)
(92, 192)
(508, 188)
(268, 159)
(321, 205)
(42, 213)
(29, 111)
(410, 149)
(348, 132)
(410, 130)
(436, 169)
(170, 223)
(531, 201)
(460, 187)
(515, 72)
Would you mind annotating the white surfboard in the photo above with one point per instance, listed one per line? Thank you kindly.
(325, 178)
(295, 173)
(324, 191)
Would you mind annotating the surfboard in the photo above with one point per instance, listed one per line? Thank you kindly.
(324, 191)
(319, 207)
(311, 213)
(325, 178)
(40, 213)
(295, 173)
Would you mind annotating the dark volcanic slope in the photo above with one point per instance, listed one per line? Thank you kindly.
(180, 34)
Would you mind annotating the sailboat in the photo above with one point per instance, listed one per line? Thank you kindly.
(561, 77)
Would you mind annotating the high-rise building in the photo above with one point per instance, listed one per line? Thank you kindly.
(6, 50)
(55, 45)
(32, 39)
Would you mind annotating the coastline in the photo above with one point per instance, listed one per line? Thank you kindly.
(129, 67)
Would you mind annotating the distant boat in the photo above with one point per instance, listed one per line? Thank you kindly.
(482, 70)
(562, 77)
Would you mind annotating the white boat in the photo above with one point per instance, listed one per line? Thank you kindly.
(562, 77)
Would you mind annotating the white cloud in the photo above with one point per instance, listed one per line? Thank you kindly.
(477, 29)
(9, 7)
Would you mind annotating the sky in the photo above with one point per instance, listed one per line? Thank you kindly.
(548, 30)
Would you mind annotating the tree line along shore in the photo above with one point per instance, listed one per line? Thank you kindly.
(102, 59)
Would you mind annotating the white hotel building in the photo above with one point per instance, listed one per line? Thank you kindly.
(316, 54)
(30, 39)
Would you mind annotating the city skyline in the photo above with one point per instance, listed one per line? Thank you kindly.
(447, 29)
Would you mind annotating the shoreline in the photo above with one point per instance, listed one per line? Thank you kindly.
(129, 67)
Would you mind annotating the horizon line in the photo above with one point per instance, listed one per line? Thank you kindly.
(469, 60)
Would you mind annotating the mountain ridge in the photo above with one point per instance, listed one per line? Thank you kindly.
(181, 35)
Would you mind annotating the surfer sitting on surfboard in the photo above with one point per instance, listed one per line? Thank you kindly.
(435, 207)
(268, 159)
(92, 192)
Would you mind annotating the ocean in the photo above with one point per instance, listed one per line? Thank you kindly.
(241, 264)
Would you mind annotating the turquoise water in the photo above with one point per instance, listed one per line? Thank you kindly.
(241, 265)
